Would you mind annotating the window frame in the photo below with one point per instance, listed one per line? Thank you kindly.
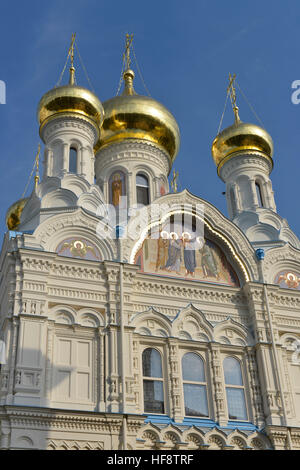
(259, 194)
(232, 386)
(75, 148)
(145, 175)
(199, 383)
(154, 379)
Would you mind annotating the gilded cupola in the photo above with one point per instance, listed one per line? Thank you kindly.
(133, 116)
(240, 138)
(70, 100)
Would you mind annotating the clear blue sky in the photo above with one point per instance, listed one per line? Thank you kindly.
(185, 51)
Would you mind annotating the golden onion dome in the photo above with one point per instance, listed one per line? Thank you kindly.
(13, 214)
(70, 100)
(133, 116)
(240, 138)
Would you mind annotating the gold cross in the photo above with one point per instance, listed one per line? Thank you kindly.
(128, 42)
(37, 176)
(71, 49)
(231, 88)
(174, 181)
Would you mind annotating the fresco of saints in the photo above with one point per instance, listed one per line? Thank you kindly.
(208, 262)
(189, 254)
(162, 251)
(174, 254)
(116, 187)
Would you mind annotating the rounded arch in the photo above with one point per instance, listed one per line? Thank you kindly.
(25, 442)
(63, 314)
(78, 224)
(189, 363)
(90, 318)
(279, 261)
(226, 247)
(231, 332)
(59, 198)
(116, 184)
(193, 322)
(150, 321)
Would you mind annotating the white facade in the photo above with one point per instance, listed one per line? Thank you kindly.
(78, 312)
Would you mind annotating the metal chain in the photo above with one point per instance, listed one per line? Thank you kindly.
(121, 76)
(85, 71)
(222, 117)
(250, 106)
(63, 71)
(139, 71)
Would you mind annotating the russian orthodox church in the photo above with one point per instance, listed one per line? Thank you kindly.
(134, 316)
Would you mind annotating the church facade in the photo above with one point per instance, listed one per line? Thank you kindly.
(137, 317)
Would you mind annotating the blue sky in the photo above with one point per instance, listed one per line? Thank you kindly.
(185, 51)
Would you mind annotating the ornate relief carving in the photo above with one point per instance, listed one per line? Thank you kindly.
(133, 150)
(75, 122)
(67, 444)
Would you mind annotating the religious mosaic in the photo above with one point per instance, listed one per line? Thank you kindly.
(180, 253)
(78, 248)
(288, 279)
(117, 188)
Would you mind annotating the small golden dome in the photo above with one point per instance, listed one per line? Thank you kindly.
(133, 116)
(70, 100)
(240, 138)
(13, 214)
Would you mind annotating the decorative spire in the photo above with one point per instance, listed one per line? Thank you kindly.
(128, 75)
(174, 184)
(231, 89)
(37, 176)
(71, 54)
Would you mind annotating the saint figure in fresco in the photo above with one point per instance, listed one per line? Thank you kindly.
(208, 262)
(189, 254)
(162, 250)
(116, 187)
(174, 254)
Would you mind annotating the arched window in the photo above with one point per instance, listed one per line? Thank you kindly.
(194, 385)
(73, 160)
(259, 195)
(117, 189)
(234, 389)
(153, 382)
(142, 189)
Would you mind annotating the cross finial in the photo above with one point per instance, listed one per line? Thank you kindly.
(71, 54)
(71, 49)
(231, 89)
(128, 42)
(37, 176)
(174, 181)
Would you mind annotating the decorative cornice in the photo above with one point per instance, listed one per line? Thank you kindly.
(62, 123)
(127, 151)
(253, 159)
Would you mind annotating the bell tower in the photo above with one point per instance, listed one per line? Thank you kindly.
(243, 154)
(70, 118)
(138, 144)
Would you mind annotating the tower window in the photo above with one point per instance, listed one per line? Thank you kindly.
(234, 389)
(73, 160)
(142, 189)
(153, 382)
(259, 195)
(194, 385)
